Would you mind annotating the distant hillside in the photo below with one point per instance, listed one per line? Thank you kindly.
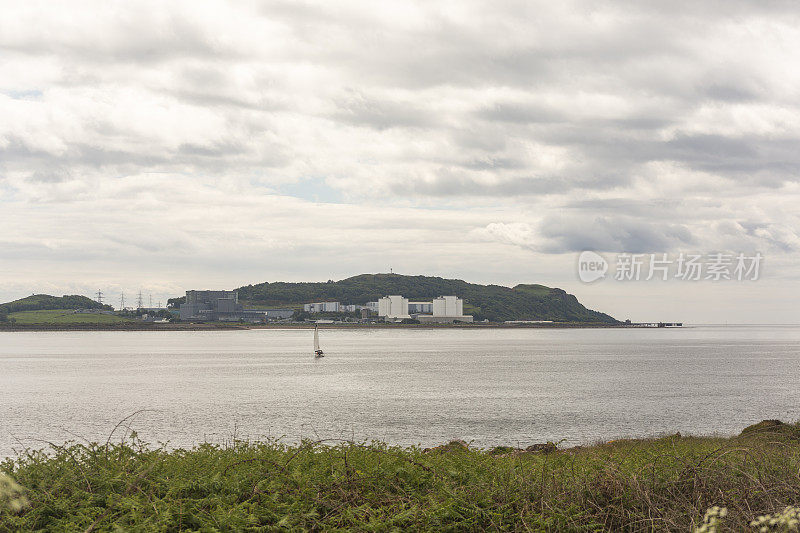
(39, 302)
(493, 302)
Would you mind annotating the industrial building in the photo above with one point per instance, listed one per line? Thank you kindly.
(322, 307)
(420, 308)
(224, 306)
(442, 309)
(394, 307)
(337, 307)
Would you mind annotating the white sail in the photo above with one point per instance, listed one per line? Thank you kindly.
(316, 339)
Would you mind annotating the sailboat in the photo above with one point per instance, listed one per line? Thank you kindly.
(317, 352)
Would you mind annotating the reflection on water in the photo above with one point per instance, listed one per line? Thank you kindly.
(514, 386)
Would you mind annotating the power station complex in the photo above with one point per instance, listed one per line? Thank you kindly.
(442, 309)
(213, 306)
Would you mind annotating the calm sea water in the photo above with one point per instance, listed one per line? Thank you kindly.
(500, 386)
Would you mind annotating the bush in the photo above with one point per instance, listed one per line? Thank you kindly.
(628, 485)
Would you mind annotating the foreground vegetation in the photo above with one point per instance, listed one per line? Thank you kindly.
(630, 485)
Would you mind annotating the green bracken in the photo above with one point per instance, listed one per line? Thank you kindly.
(629, 485)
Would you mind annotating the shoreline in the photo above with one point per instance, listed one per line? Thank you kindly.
(145, 326)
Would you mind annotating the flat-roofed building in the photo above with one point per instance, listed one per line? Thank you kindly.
(393, 307)
(442, 309)
(420, 307)
(201, 305)
(215, 306)
(322, 307)
(448, 306)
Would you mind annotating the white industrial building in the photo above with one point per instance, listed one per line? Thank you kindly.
(441, 309)
(448, 306)
(393, 307)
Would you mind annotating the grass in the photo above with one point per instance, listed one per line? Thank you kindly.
(64, 316)
(663, 484)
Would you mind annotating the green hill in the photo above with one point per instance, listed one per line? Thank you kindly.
(38, 302)
(64, 317)
(493, 302)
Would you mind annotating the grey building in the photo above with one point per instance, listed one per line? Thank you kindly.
(204, 305)
(215, 306)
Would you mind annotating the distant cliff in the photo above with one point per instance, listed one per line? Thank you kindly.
(492, 302)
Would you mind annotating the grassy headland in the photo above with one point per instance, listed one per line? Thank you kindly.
(64, 316)
(628, 485)
(56, 311)
(491, 302)
(37, 302)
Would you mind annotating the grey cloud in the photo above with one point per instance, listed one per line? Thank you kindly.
(152, 243)
(20, 152)
(520, 113)
(648, 54)
(382, 114)
(88, 159)
(715, 147)
(215, 150)
(495, 103)
(485, 139)
(646, 209)
(766, 161)
(51, 175)
(636, 123)
(782, 238)
(612, 234)
(208, 97)
(452, 183)
(137, 35)
(730, 92)
(495, 163)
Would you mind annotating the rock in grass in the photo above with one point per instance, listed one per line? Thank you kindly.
(452, 446)
(765, 426)
(547, 447)
(500, 450)
(508, 451)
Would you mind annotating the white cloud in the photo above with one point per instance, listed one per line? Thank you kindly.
(233, 142)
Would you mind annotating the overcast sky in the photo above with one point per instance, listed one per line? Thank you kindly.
(164, 146)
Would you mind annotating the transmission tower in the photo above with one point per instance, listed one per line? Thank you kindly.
(139, 303)
(99, 296)
(151, 300)
(122, 300)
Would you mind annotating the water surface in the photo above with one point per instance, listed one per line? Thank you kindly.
(403, 386)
